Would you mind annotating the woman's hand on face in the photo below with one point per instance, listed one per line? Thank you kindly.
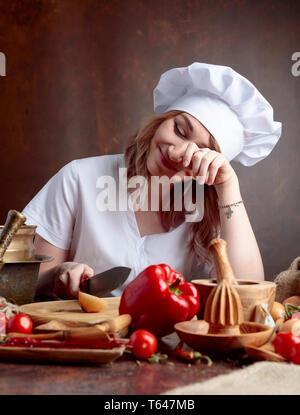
(209, 166)
(69, 278)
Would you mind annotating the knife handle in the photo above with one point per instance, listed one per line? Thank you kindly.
(117, 324)
(83, 284)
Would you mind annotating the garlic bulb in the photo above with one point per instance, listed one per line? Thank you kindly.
(263, 316)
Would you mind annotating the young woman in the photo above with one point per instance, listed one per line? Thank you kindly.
(207, 116)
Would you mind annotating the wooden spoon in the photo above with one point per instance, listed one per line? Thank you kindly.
(262, 353)
(267, 351)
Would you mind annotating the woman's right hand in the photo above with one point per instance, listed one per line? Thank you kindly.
(69, 277)
(58, 278)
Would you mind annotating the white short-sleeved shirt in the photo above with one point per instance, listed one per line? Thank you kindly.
(66, 215)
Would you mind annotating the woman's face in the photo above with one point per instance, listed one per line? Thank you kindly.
(177, 131)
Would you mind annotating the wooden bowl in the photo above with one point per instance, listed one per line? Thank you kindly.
(251, 294)
(195, 334)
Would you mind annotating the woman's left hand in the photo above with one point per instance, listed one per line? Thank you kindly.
(211, 167)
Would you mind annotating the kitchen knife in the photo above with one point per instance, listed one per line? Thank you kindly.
(105, 282)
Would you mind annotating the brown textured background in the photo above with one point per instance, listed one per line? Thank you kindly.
(80, 76)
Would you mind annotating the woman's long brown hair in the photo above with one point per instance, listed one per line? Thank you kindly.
(203, 232)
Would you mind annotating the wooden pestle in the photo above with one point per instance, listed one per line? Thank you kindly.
(223, 309)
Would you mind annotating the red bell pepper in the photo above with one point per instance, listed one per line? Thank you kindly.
(158, 298)
(3, 323)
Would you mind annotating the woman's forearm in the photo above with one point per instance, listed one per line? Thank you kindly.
(236, 230)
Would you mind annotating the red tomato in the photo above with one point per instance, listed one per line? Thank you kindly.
(294, 315)
(284, 342)
(19, 323)
(295, 353)
(294, 300)
(144, 344)
(3, 323)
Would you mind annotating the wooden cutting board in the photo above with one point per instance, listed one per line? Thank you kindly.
(70, 311)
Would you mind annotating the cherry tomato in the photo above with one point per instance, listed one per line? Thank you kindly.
(3, 323)
(19, 323)
(284, 342)
(144, 344)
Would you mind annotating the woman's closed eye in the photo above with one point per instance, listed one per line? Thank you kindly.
(178, 130)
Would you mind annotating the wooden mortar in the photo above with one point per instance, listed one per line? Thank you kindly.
(251, 292)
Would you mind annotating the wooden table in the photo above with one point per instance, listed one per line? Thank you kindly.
(121, 377)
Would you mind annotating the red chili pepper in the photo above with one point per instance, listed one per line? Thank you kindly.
(68, 344)
(190, 355)
(158, 298)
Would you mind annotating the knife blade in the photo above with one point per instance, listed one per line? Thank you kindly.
(105, 282)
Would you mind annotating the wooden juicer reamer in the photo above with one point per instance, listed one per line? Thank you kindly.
(223, 309)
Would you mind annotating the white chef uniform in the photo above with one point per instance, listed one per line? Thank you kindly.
(66, 215)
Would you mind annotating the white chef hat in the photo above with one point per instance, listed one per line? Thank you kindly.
(227, 104)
